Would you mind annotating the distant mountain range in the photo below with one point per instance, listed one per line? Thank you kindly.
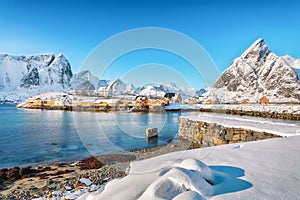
(85, 80)
(24, 76)
(257, 72)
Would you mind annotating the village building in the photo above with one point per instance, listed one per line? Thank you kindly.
(104, 92)
(209, 101)
(264, 100)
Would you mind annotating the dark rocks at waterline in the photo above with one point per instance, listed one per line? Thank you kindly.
(8, 176)
(56, 174)
(98, 161)
(90, 163)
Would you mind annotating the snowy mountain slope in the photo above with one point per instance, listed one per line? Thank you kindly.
(258, 72)
(117, 87)
(130, 89)
(84, 80)
(293, 63)
(160, 90)
(199, 93)
(25, 76)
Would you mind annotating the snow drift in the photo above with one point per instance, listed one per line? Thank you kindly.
(266, 169)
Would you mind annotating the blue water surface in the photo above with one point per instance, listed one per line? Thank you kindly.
(29, 137)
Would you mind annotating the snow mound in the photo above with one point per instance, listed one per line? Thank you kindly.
(189, 195)
(266, 169)
(189, 175)
(183, 179)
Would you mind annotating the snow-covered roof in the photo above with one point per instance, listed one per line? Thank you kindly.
(110, 101)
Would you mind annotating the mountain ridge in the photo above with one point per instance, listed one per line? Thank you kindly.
(25, 76)
(255, 73)
(258, 72)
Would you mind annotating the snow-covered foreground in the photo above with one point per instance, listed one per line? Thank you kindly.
(267, 169)
(274, 126)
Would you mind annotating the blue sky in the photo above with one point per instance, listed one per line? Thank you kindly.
(223, 28)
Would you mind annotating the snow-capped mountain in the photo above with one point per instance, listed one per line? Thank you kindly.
(84, 80)
(130, 89)
(159, 90)
(117, 87)
(25, 76)
(294, 63)
(200, 92)
(22, 77)
(258, 72)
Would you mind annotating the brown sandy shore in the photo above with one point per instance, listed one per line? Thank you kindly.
(34, 182)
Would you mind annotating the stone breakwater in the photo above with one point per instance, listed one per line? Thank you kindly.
(255, 113)
(206, 134)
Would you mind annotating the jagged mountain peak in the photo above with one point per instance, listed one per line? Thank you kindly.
(171, 84)
(60, 55)
(84, 80)
(117, 81)
(117, 87)
(258, 72)
(257, 52)
(22, 76)
(85, 73)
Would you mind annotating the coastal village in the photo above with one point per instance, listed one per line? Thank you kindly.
(98, 101)
(170, 101)
(80, 101)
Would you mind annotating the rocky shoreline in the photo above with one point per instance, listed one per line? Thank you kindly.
(43, 181)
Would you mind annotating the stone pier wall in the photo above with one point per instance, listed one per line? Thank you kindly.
(274, 115)
(210, 134)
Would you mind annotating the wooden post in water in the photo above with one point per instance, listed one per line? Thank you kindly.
(151, 132)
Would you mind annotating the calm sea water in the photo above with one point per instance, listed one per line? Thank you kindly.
(33, 136)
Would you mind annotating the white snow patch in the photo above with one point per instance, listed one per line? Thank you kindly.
(273, 126)
(266, 169)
